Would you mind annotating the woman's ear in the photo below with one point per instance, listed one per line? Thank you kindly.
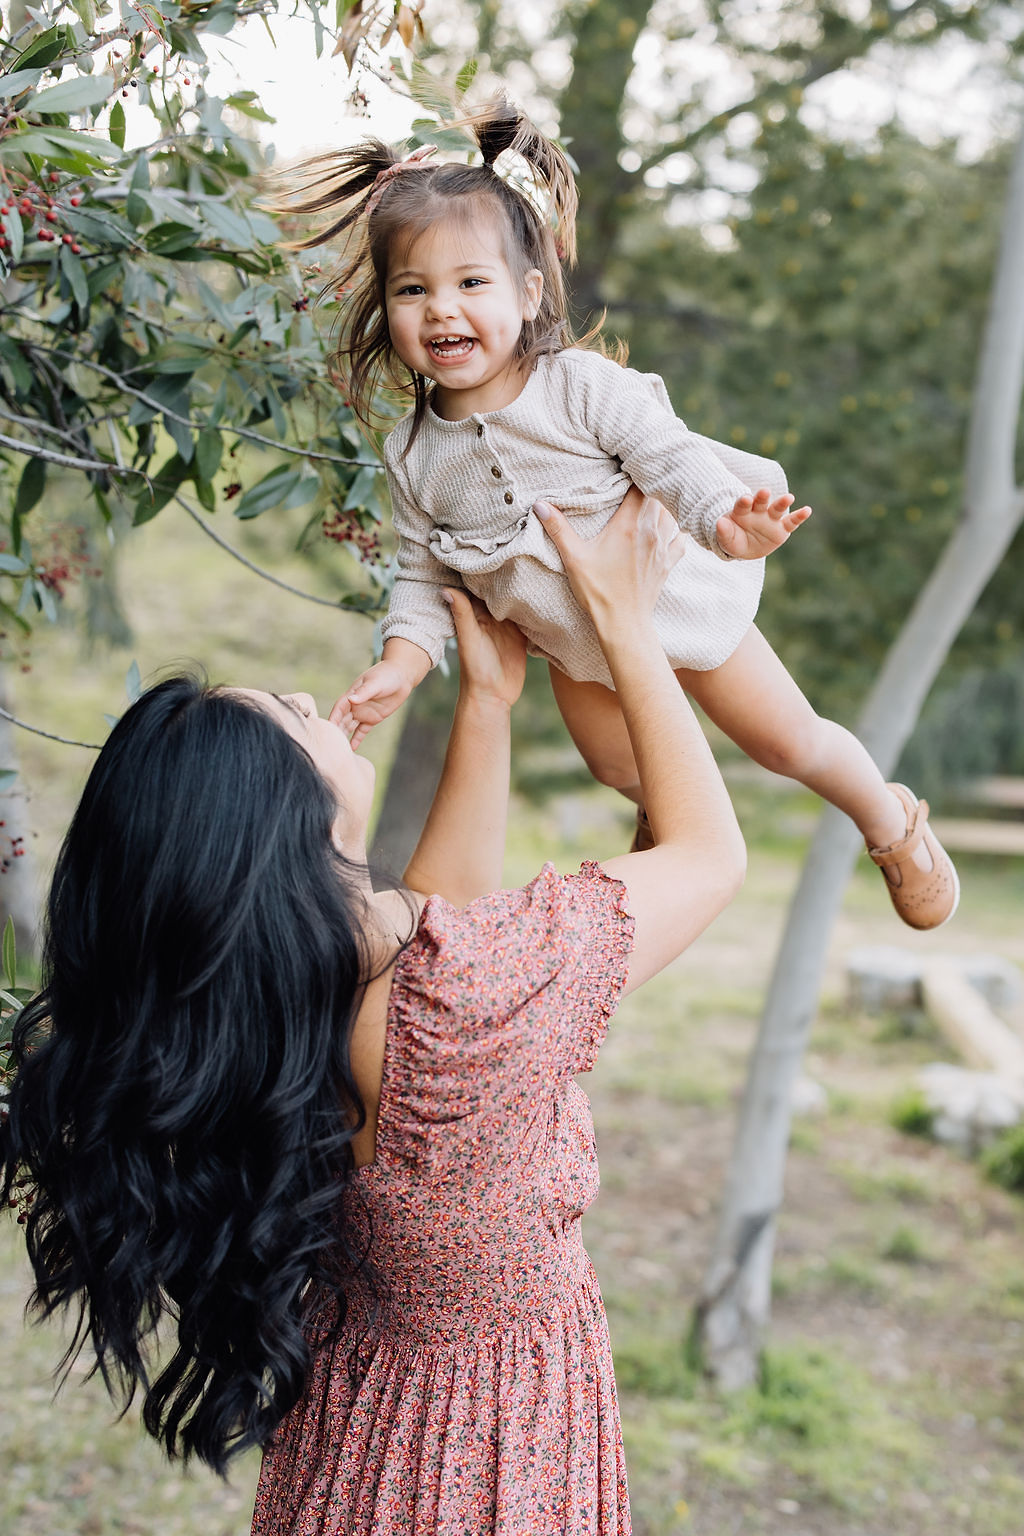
(533, 288)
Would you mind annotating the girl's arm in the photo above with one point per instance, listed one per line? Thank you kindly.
(678, 887)
(461, 852)
(704, 483)
(418, 620)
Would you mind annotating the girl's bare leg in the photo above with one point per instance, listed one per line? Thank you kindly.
(594, 720)
(753, 699)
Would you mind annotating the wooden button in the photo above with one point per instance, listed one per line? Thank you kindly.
(509, 497)
(479, 429)
(495, 471)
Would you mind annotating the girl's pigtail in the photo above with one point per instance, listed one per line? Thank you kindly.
(500, 126)
(342, 180)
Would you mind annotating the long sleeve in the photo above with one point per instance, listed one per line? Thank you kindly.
(630, 416)
(417, 611)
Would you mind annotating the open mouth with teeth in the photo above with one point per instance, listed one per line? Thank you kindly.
(452, 348)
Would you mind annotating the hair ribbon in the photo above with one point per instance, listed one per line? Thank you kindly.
(409, 162)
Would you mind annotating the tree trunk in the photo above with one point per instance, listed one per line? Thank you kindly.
(591, 123)
(415, 772)
(733, 1310)
(17, 876)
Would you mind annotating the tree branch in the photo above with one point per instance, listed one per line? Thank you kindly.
(257, 570)
(65, 460)
(196, 426)
(94, 746)
(818, 68)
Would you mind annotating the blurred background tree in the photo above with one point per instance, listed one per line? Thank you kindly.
(810, 287)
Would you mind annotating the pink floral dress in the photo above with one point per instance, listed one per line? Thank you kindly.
(478, 1399)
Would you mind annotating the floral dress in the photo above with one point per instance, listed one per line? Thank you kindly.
(475, 1397)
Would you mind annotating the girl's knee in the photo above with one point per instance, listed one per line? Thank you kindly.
(611, 769)
(795, 752)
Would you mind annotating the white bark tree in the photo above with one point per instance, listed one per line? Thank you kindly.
(733, 1310)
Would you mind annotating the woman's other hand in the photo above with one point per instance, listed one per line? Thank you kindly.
(621, 572)
(492, 652)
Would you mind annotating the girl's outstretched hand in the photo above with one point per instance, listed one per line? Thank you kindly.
(757, 525)
(492, 652)
(374, 695)
(623, 569)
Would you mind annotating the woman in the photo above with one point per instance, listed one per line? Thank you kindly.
(332, 1131)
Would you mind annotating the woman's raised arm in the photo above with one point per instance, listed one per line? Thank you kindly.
(461, 852)
(679, 886)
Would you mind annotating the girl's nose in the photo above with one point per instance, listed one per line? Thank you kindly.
(442, 305)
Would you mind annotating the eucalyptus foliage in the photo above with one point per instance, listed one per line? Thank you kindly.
(156, 342)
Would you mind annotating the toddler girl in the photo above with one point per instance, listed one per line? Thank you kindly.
(455, 297)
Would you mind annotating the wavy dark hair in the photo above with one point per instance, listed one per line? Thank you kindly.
(184, 1102)
(539, 232)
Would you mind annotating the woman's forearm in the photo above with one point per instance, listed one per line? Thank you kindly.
(683, 793)
(461, 852)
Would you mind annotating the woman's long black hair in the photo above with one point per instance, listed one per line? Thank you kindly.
(184, 1102)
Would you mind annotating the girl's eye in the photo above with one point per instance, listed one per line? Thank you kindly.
(410, 288)
(472, 282)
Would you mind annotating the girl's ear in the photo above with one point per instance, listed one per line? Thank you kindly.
(533, 288)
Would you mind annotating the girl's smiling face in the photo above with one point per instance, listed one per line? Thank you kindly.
(455, 314)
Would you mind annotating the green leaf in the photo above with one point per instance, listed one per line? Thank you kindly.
(181, 436)
(466, 75)
(10, 565)
(137, 210)
(16, 82)
(30, 486)
(169, 239)
(117, 124)
(8, 777)
(247, 103)
(44, 48)
(75, 151)
(10, 954)
(21, 374)
(88, 143)
(227, 224)
(268, 492)
(75, 273)
(209, 451)
(133, 682)
(219, 20)
(11, 224)
(86, 13)
(165, 482)
(74, 95)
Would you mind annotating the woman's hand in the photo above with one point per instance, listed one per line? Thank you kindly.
(492, 653)
(621, 572)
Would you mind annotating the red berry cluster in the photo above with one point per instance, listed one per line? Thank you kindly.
(36, 206)
(345, 528)
(22, 1201)
(68, 560)
(15, 849)
(232, 490)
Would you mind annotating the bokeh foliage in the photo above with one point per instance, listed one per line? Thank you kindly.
(157, 343)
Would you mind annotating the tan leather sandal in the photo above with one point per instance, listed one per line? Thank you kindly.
(643, 837)
(924, 898)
